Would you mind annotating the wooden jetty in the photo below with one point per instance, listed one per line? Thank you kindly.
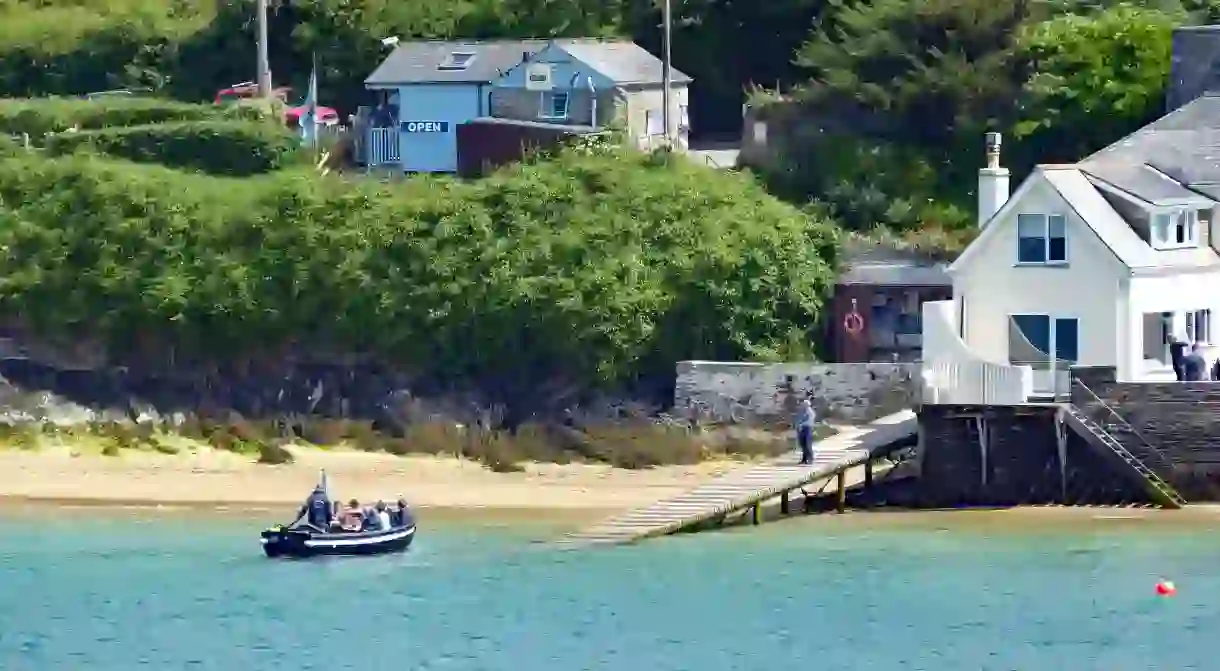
(750, 487)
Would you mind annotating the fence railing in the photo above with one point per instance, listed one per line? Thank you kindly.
(381, 146)
(975, 383)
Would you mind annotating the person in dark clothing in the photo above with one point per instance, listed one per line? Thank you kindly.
(316, 510)
(805, 420)
(1177, 352)
(1194, 367)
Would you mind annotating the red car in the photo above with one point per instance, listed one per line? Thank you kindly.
(327, 116)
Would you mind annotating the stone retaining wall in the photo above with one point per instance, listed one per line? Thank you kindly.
(757, 393)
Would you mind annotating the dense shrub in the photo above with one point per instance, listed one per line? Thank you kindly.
(587, 267)
(40, 116)
(77, 46)
(238, 148)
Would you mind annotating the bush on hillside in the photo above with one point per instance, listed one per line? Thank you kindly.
(50, 46)
(41, 116)
(591, 267)
(238, 148)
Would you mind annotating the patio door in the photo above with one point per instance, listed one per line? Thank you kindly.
(1048, 344)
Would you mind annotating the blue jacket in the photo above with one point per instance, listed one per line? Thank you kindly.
(805, 417)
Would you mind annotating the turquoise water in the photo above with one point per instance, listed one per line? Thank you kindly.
(178, 593)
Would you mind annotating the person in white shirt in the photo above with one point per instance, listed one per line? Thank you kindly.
(383, 516)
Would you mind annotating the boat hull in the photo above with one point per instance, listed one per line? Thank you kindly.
(301, 543)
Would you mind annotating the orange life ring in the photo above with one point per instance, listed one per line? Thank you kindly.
(853, 323)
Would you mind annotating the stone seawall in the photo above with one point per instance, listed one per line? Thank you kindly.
(766, 394)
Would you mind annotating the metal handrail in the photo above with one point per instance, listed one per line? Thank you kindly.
(1165, 461)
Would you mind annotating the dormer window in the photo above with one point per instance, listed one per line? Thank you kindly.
(458, 60)
(1175, 229)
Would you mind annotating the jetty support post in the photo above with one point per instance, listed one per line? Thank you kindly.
(868, 474)
(841, 494)
(783, 503)
(756, 514)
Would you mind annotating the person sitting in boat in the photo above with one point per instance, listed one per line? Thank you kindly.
(383, 517)
(316, 510)
(352, 519)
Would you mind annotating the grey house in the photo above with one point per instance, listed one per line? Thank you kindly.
(595, 83)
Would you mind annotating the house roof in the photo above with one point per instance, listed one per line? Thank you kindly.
(622, 61)
(1168, 159)
(420, 62)
(865, 261)
(1077, 190)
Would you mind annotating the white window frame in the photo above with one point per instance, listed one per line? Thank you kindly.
(653, 118)
(451, 61)
(1199, 326)
(547, 104)
(1168, 224)
(1046, 234)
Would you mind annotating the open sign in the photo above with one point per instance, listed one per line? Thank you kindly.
(425, 126)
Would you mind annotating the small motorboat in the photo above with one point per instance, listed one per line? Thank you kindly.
(311, 534)
(306, 541)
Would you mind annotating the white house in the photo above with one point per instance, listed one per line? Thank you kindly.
(1099, 262)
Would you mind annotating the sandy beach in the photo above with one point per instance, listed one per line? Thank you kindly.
(204, 477)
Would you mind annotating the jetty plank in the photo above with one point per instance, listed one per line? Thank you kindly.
(742, 489)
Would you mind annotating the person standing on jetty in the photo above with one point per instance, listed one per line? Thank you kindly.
(805, 419)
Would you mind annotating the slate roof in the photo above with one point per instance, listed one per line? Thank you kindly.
(866, 261)
(419, 62)
(1157, 162)
(623, 61)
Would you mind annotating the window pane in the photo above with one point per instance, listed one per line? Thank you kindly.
(1057, 249)
(1067, 339)
(1058, 227)
(1036, 330)
(1160, 228)
(655, 122)
(1031, 250)
(1031, 226)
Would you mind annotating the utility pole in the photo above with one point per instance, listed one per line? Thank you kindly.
(666, 73)
(264, 62)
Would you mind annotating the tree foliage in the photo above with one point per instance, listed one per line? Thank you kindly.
(1096, 77)
(596, 264)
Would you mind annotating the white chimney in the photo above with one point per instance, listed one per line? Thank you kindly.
(993, 182)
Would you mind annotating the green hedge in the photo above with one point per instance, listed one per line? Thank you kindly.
(589, 266)
(40, 116)
(237, 148)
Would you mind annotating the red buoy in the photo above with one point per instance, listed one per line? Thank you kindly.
(1165, 588)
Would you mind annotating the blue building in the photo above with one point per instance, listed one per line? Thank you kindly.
(425, 90)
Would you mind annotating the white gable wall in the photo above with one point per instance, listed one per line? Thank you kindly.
(988, 286)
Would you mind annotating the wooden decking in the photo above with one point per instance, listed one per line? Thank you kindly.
(750, 486)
